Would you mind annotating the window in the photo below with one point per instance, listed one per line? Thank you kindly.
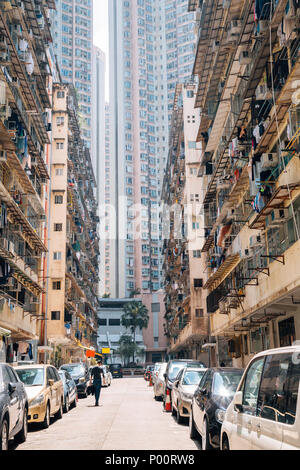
(198, 282)
(286, 330)
(272, 394)
(102, 322)
(199, 312)
(58, 227)
(251, 386)
(206, 381)
(59, 172)
(60, 94)
(114, 322)
(292, 391)
(60, 120)
(59, 145)
(57, 255)
(55, 315)
(56, 285)
(58, 199)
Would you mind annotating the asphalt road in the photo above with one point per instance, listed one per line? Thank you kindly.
(128, 418)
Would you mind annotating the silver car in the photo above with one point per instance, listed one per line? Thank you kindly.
(183, 390)
(158, 386)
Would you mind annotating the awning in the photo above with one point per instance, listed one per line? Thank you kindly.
(281, 194)
(4, 332)
(229, 264)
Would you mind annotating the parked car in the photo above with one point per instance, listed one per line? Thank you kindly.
(81, 376)
(183, 390)
(45, 392)
(107, 377)
(158, 386)
(174, 366)
(155, 371)
(116, 370)
(147, 372)
(70, 390)
(13, 407)
(265, 411)
(210, 401)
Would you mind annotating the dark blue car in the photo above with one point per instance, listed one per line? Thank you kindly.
(70, 390)
(13, 407)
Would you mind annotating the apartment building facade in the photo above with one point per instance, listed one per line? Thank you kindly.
(72, 30)
(74, 242)
(249, 169)
(26, 75)
(185, 320)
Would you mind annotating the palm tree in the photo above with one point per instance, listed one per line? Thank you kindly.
(135, 316)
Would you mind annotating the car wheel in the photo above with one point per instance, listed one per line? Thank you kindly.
(59, 413)
(46, 422)
(4, 435)
(225, 443)
(192, 428)
(178, 417)
(67, 404)
(205, 436)
(22, 435)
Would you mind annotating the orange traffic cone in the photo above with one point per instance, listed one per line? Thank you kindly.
(168, 401)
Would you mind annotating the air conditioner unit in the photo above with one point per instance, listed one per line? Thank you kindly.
(21, 5)
(3, 156)
(245, 57)
(15, 81)
(4, 56)
(234, 30)
(278, 216)
(255, 241)
(269, 160)
(263, 93)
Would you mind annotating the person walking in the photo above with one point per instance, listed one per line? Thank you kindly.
(96, 375)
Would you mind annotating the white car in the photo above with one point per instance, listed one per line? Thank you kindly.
(265, 411)
(183, 390)
(107, 377)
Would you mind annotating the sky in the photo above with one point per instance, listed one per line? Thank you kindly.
(101, 32)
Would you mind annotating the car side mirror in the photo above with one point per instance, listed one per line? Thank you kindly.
(165, 376)
(11, 387)
(51, 382)
(176, 383)
(238, 401)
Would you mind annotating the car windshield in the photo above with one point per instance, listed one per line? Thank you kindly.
(31, 377)
(175, 368)
(62, 375)
(225, 383)
(192, 377)
(115, 367)
(74, 370)
(192, 365)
